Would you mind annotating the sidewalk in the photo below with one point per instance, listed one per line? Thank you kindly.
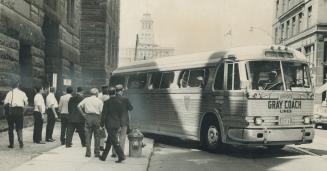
(10, 158)
(69, 159)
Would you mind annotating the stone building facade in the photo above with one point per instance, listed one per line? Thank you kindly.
(302, 25)
(39, 39)
(145, 44)
(99, 40)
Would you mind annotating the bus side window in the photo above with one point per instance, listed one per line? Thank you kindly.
(167, 79)
(155, 80)
(117, 79)
(197, 78)
(137, 81)
(183, 78)
(219, 80)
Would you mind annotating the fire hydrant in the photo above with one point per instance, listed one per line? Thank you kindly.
(135, 143)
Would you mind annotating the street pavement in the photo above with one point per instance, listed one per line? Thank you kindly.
(10, 158)
(179, 155)
(52, 156)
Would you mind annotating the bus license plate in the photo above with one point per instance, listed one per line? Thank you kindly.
(284, 121)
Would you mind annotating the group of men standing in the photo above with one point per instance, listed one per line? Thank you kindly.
(83, 115)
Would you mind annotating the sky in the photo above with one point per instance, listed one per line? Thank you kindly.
(192, 26)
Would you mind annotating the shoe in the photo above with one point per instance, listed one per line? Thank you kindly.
(120, 160)
(96, 155)
(68, 146)
(83, 145)
(50, 140)
(40, 142)
(113, 155)
(87, 155)
(101, 158)
(10, 146)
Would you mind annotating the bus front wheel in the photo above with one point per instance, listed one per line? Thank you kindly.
(211, 135)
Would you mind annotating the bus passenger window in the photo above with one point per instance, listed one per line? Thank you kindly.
(219, 80)
(155, 80)
(183, 78)
(196, 78)
(117, 79)
(137, 81)
(167, 79)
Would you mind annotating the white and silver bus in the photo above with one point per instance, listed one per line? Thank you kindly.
(259, 95)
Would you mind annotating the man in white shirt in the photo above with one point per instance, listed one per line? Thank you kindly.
(91, 108)
(51, 104)
(15, 101)
(39, 112)
(63, 109)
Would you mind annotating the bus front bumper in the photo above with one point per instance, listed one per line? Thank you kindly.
(264, 136)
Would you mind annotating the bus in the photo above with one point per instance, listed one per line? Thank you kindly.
(254, 96)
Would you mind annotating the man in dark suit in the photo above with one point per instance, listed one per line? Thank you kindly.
(126, 106)
(111, 118)
(75, 119)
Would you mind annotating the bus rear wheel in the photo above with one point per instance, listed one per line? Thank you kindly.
(212, 136)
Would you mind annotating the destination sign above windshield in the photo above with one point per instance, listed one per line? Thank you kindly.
(279, 54)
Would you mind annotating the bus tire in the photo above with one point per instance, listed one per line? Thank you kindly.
(211, 135)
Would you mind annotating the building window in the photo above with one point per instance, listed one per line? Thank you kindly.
(293, 26)
(287, 29)
(309, 54)
(70, 11)
(277, 5)
(309, 20)
(283, 5)
(276, 35)
(282, 32)
(299, 27)
(289, 5)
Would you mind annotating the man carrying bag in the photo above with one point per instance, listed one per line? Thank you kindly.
(15, 102)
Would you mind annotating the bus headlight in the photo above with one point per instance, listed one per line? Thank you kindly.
(306, 120)
(258, 121)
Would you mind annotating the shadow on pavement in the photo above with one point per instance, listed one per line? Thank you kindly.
(231, 150)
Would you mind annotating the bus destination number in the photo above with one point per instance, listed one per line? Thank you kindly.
(284, 106)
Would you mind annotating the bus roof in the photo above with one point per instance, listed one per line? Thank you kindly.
(203, 59)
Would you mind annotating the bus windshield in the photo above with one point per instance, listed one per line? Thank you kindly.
(279, 75)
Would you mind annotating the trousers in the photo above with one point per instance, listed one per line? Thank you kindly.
(38, 126)
(51, 121)
(92, 126)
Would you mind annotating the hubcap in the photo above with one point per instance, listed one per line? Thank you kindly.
(213, 135)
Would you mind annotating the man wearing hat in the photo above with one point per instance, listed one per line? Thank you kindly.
(91, 108)
(126, 106)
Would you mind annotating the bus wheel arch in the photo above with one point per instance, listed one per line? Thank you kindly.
(211, 132)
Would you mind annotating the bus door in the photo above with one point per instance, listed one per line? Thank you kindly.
(233, 96)
(228, 97)
(219, 93)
